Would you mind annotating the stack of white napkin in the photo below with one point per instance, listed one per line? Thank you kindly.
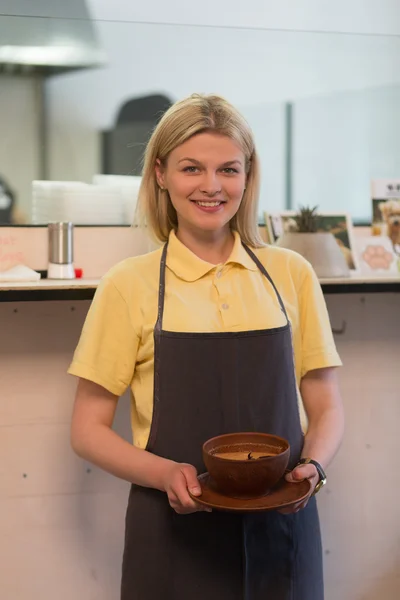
(19, 273)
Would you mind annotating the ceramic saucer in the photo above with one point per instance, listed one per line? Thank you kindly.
(283, 495)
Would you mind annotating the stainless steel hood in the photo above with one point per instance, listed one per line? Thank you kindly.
(46, 45)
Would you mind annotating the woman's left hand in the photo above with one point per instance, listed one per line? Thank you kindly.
(298, 474)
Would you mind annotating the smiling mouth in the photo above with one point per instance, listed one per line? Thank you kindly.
(208, 204)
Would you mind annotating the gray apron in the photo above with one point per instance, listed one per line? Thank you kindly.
(207, 384)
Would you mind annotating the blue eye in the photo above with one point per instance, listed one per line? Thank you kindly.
(190, 169)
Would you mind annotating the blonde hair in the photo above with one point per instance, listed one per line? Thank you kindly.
(184, 119)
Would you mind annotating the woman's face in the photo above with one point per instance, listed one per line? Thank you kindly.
(205, 178)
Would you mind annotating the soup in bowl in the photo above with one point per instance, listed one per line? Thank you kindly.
(246, 465)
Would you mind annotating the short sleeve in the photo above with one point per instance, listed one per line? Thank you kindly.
(318, 345)
(107, 349)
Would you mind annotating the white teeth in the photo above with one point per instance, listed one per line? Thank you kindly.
(208, 204)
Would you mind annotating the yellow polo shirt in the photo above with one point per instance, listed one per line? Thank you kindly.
(116, 348)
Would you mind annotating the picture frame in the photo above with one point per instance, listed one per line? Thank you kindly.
(383, 190)
(338, 223)
(385, 198)
(377, 256)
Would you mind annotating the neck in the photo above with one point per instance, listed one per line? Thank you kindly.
(214, 247)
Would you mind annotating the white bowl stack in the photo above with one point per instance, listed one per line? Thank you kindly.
(77, 202)
(128, 186)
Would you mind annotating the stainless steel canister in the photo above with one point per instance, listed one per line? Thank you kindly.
(61, 249)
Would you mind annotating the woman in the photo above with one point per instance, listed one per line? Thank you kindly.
(199, 330)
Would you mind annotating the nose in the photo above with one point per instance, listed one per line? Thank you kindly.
(210, 184)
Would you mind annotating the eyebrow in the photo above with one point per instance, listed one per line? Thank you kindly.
(227, 164)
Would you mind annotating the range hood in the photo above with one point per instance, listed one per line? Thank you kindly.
(47, 46)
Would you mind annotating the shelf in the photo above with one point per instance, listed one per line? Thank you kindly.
(361, 285)
(84, 289)
(48, 289)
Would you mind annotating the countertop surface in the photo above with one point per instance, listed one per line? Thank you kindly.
(50, 284)
(83, 289)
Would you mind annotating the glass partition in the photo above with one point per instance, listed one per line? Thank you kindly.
(324, 107)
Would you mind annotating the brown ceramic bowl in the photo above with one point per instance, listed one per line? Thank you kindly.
(234, 474)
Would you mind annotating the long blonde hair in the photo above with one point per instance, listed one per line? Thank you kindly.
(184, 119)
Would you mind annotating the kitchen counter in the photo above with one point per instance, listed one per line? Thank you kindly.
(48, 289)
(84, 289)
(54, 504)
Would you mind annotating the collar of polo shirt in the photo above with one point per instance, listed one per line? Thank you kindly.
(186, 265)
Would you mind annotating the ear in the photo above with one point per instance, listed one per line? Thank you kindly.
(160, 174)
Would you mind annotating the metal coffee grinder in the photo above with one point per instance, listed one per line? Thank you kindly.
(61, 251)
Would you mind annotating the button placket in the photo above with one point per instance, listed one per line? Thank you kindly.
(226, 300)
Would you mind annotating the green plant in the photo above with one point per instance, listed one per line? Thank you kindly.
(307, 219)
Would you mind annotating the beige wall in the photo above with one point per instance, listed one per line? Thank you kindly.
(96, 249)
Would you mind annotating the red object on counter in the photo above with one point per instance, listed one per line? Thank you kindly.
(78, 273)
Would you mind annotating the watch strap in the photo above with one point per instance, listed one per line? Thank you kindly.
(320, 471)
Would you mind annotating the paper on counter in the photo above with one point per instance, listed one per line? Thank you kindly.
(19, 273)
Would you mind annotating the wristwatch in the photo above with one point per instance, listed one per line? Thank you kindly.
(321, 473)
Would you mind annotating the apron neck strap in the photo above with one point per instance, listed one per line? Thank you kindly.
(267, 275)
(161, 289)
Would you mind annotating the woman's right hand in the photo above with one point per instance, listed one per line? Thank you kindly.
(93, 439)
(179, 478)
